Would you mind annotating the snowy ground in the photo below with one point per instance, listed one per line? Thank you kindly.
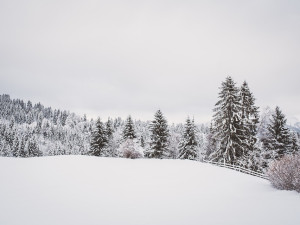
(82, 190)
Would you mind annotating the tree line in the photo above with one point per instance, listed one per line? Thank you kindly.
(239, 134)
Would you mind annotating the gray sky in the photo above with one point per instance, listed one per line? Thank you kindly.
(132, 57)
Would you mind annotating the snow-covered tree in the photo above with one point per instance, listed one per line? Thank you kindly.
(227, 123)
(159, 137)
(250, 120)
(142, 141)
(278, 142)
(294, 143)
(109, 128)
(99, 140)
(211, 143)
(33, 148)
(188, 146)
(111, 145)
(129, 132)
(249, 115)
(176, 132)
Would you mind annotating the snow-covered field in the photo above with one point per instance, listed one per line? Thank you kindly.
(82, 190)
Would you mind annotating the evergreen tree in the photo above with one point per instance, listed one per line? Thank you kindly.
(23, 152)
(188, 144)
(250, 120)
(16, 148)
(111, 145)
(142, 142)
(159, 137)
(249, 115)
(211, 144)
(33, 149)
(294, 143)
(99, 140)
(129, 132)
(278, 142)
(109, 129)
(228, 129)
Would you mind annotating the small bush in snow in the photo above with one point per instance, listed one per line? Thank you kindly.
(284, 174)
(130, 149)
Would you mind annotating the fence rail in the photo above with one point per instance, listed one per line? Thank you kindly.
(239, 169)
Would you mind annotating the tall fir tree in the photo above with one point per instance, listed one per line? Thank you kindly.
(129, 132)
(279, 141)
(188, 144)
(294, 143)
(109, 128)
(249, 120)
(211, 143)
(142, 141)
(16, 148)
(33, 148)
(159, 137)
(99, 140)
(111, 145)
(228, 129)
(23, 152)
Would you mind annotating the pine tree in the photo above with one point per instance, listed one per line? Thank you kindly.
(111, 145)
(142, 141)
(294, 143)
(23, 152)
(159, 137)
(109, 128)
(211, 144)
(188, 144)
(250, 120)
(278, 142)
(16, 147)
(99, 140)
(129, 132)
(249, 115)
(33, 148)
(228, 129)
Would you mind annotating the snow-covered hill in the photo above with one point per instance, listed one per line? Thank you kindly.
(86, 190)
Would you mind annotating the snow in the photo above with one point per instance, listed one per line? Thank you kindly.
(87, 190)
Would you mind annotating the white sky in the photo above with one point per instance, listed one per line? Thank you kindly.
(132, 57)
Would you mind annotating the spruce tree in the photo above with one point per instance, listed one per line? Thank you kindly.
(211, 144)
(16, 147)
(249, 115)
(111, 145)
(33, 148)
(142, 141)
(23, 152)
(129, 132)
(159, 137)
(109, 129)
(250, 120)
(99, 139)
(228, 129)
(278, 142)
(188, 144)
(294, 143)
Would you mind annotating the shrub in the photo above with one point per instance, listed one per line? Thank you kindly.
(129, 149)
(284, 174)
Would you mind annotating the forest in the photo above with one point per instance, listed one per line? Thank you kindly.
(240, 133)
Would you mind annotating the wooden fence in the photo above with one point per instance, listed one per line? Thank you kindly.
(238, 168)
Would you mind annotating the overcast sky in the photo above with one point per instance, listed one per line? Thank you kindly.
(133, 57)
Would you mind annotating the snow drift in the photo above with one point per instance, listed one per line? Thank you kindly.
(90, 190)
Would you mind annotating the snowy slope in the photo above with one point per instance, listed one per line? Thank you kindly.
(89, 190)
